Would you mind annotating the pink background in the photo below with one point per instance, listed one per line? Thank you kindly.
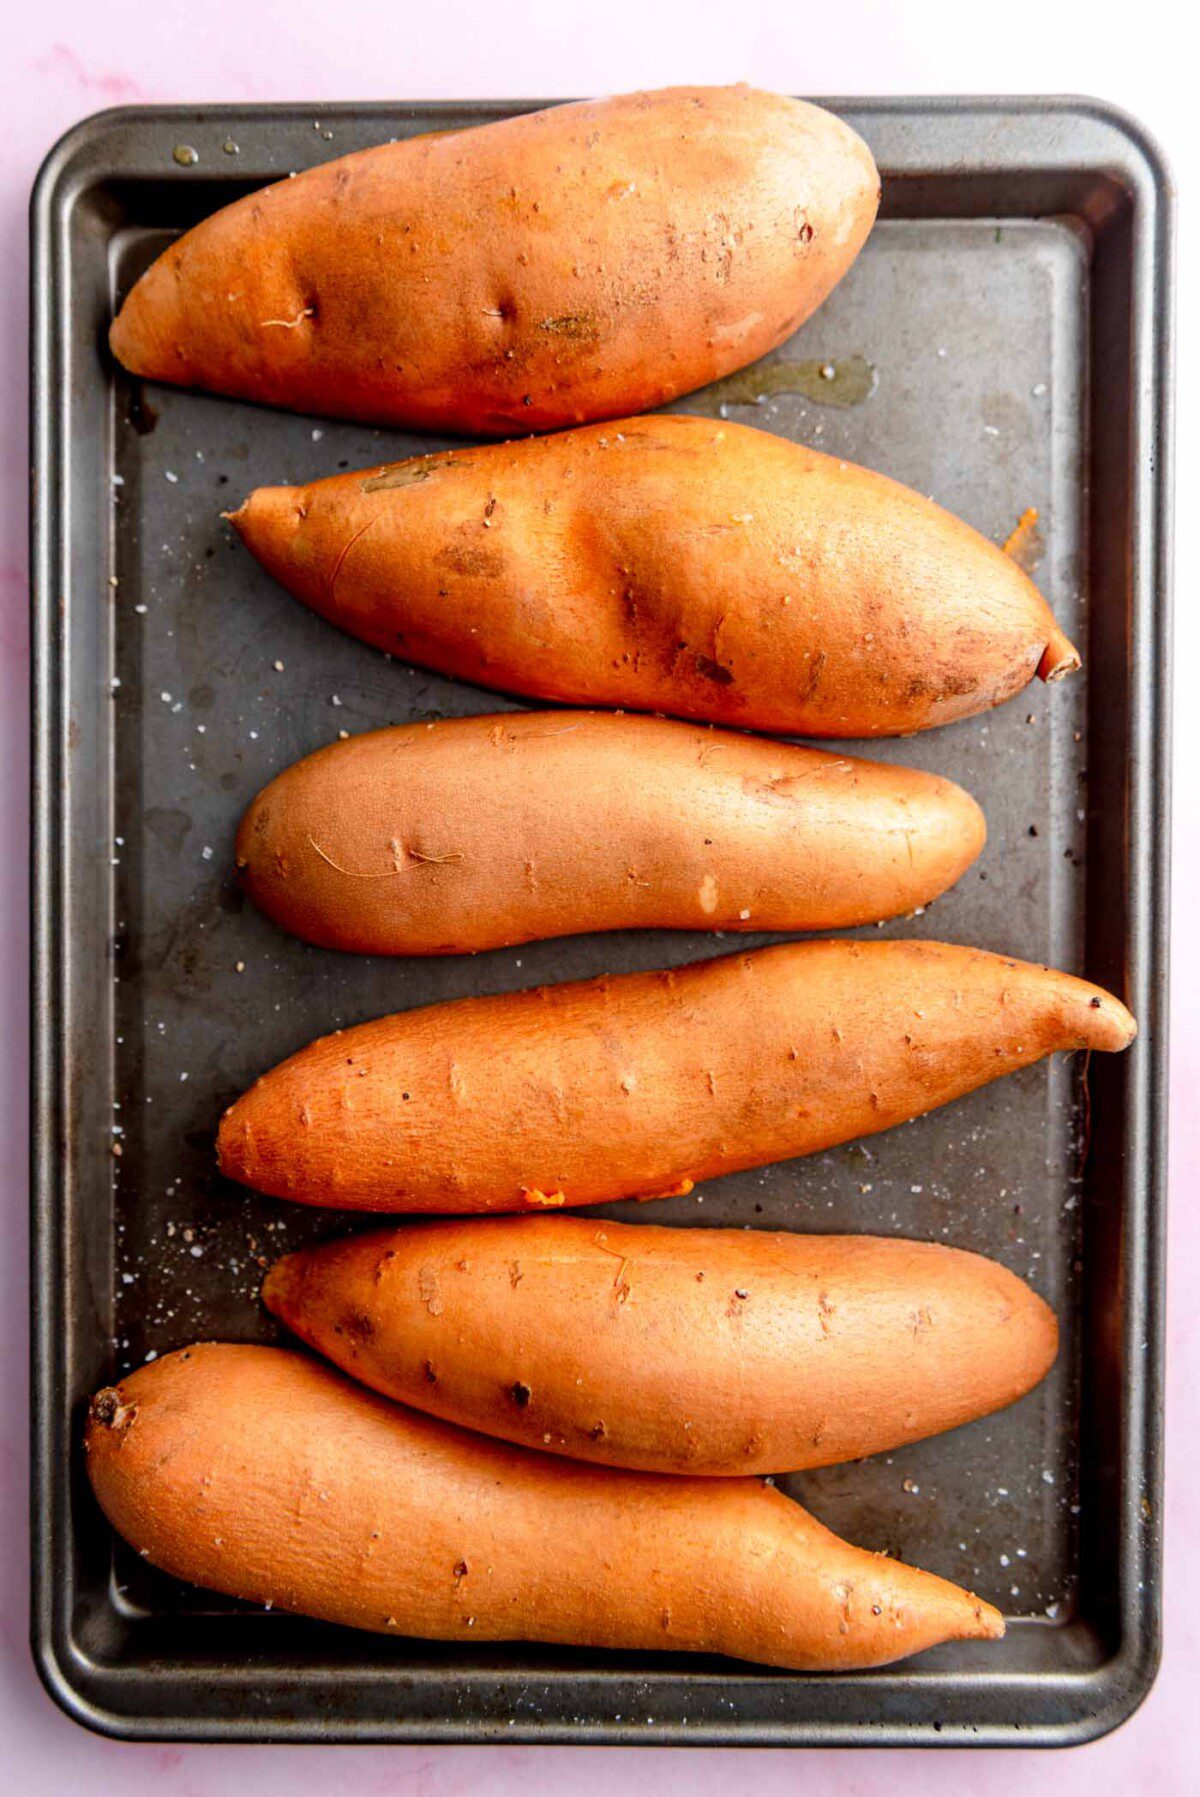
(66, 59)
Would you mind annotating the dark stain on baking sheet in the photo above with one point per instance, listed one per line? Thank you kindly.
(847, 381)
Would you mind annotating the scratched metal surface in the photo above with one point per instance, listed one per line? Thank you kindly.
(958, 350)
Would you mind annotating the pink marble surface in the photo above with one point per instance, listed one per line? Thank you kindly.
(68, 59)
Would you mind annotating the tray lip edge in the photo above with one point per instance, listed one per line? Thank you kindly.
(1142, 155)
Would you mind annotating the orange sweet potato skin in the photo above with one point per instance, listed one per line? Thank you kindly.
(260, 1473)
(571, 264)
(671, 564)
(701, 1351)
(641, 1084)
(478, 832)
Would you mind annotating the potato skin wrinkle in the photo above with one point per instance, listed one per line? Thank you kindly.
(669, 564)
(572, 264)
(480, 832)
(700, 1351)
(639, 1085)
(260, 1473)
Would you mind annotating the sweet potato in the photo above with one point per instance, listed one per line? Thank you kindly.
(641, 1084)
(261, 1473)
(571, 264)
(476, 832)
(669, 564)
(703, 1351)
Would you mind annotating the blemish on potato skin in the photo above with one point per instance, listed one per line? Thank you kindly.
(542, 1200)
(813, 677)
(109, 1408)
(473, 563)
(713, 670)
(404, 474)
(579, 326)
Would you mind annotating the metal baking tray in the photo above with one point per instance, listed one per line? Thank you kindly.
(1003, 342)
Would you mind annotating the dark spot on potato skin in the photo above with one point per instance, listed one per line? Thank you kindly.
(645, 440)
(521, 1394)
(814, 675)
(412, 472)
(580, 327)
(106, 1404)
(950, 686)
(474, 562)
(110, 1410)
(713, 670)
(956, 685)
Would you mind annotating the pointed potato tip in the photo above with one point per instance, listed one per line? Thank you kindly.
(266, 519)
(1108, 1024)
(240, 516)
(1060, 657)
(989, 1623)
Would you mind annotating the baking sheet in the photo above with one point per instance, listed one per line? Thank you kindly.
(961, 356)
